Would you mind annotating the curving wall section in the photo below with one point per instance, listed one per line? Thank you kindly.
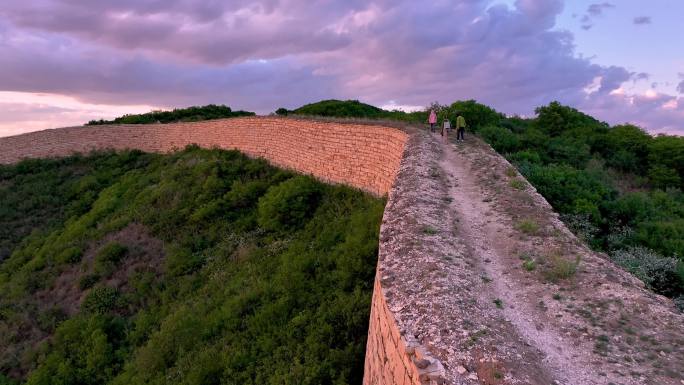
(364, 156)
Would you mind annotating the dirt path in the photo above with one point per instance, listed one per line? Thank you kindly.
(554, 311)
(490, 240)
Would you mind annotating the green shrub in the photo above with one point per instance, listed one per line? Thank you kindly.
(87, 281)
(559, 267)
(51, 318)
(664, 177)
(340, 108)
(477, 115)
(182, 261)
(7, 381)
(282, 111)
(70, 255)
(189, 114)
(528, 226)
(518, 184)
(501, 139)
(289, 204)
(679, 303)
(657, 272)
(100, 300)
(109, 257)
(511, 172)
(529, 264)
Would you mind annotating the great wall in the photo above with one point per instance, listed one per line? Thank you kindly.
(452, 303)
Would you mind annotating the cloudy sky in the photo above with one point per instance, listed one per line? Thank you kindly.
(63, 62)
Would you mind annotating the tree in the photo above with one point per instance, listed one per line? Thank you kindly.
(556, 119)
(476, 115)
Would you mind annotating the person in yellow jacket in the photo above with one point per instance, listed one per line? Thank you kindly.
(460, 127)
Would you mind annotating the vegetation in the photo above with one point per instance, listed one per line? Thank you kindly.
(242, 291)
(558, 267)
(352, 109)
(528, 226)
(618, 188)
(190, 114)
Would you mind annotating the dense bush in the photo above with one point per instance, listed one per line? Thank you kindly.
(617, 187)
(353, 109)
(100, 300)
(228, 301)
(109, 257)
(340, 109)
(657, 272)
(501, 139)
(289, 204)
(477, 115)
(190, 114)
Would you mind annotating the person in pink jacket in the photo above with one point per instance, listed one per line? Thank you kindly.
(432, 120)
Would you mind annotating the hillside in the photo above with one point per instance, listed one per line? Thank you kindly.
(194, 267)
(190, 114)
(352, 109)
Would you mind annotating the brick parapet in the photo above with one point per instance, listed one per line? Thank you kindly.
(363, 156)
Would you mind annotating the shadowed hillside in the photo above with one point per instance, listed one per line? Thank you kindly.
(194, 267)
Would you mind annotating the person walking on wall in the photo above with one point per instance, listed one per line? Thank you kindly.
(432, 120)
(460, 127)
(446, 127)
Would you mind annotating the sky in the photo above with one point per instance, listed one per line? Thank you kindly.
(64, 62)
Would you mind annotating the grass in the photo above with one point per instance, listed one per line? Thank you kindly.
(518, 184)
(475, 337)
(528, 227)
(529, 265)
(499, 303)
(559, 268)
(511, 172)
(429, 230)
(601, 346)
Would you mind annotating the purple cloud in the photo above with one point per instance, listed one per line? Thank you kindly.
(593, 11)
(598, 8)
(261, 55)
(641, 20)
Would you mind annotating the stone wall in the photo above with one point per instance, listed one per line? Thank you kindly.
(360, 155)
(363, 156)
(393, 357)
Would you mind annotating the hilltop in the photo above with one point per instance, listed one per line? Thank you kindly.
(190, 114)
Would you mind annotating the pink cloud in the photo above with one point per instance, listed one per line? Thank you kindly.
(261, 55)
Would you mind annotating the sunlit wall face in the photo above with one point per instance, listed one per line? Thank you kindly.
(65, 62)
